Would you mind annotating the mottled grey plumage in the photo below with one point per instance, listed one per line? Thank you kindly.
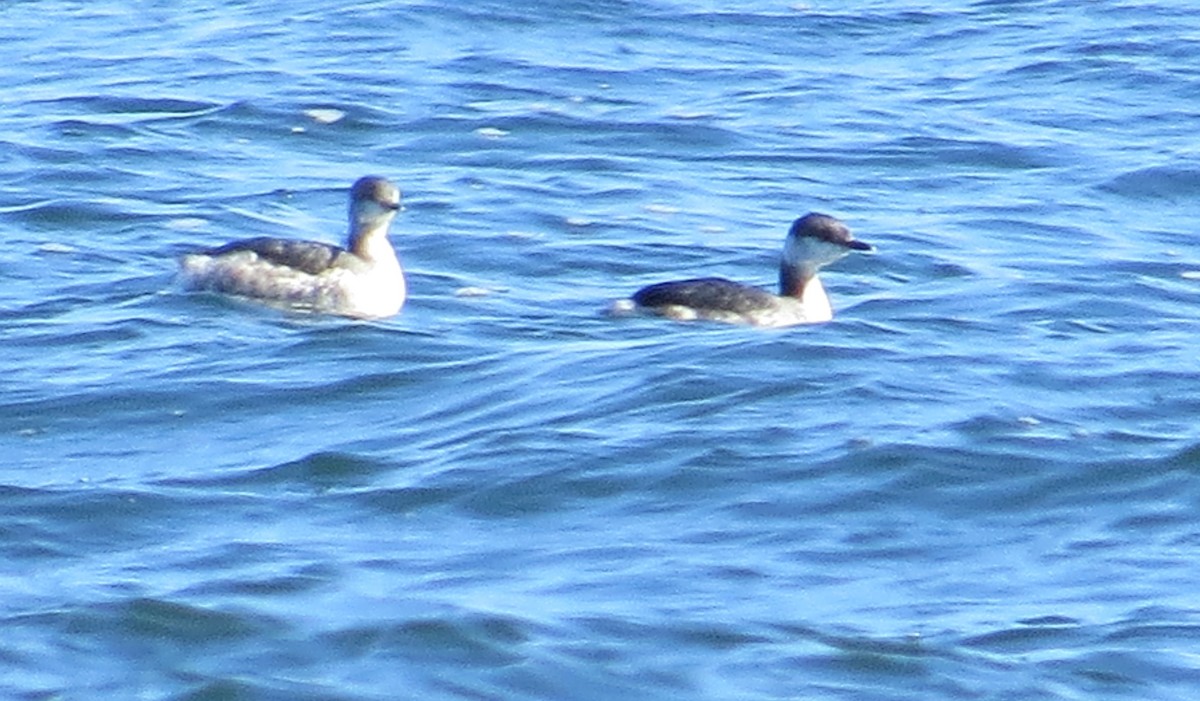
(312, 257)
(362, 280)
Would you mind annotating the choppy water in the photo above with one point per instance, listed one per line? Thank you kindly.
(979, 481)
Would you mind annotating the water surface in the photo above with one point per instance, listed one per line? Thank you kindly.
(978, 481)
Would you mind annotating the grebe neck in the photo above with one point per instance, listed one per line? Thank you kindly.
(793, 280)
(802, 284)
(371, 243)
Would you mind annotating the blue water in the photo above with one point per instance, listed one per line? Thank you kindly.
(980, 481)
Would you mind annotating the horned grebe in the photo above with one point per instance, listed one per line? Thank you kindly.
(815, 240)
(362, 280)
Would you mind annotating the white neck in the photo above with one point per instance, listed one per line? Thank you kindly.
(372, 244)
(802, 284)
(815, 301)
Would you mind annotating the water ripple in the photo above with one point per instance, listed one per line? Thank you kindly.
(978, 480)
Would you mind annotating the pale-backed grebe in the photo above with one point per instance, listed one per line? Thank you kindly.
(362, 280)
(815, 240)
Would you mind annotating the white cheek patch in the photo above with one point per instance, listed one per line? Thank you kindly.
(811, 252)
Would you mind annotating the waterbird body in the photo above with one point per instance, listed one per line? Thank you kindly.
(815, 240)
(362, 280)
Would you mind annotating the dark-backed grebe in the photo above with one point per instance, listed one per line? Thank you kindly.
(362, 280)
(815, 240)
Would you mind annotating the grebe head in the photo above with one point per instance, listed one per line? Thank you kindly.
(816, 240)
(373, 203)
